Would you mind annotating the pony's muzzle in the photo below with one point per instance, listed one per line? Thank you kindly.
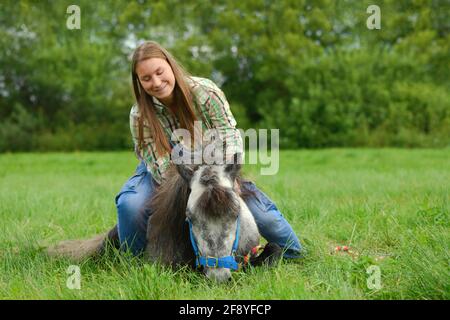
(218, 274)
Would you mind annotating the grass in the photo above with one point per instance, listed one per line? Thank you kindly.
(390, 206)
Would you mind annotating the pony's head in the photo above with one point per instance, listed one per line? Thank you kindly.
(212, 210)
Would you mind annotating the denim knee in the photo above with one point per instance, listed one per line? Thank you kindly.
(129, 207)
(271, 223)
(132, 222)
(278, 229)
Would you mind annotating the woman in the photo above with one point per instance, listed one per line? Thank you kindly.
(168, 99)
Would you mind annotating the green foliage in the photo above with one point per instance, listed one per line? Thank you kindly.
(310, 68)
(16, 132)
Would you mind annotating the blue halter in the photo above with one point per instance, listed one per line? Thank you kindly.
(228, 262)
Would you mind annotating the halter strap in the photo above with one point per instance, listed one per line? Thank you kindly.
(228, 262)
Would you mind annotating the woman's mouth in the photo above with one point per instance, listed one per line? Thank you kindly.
(160, 89)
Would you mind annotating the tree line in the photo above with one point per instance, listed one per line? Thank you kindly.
(311, 68)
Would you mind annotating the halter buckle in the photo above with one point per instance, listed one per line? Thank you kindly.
(216, 261)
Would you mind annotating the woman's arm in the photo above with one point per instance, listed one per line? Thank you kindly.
(221, 118)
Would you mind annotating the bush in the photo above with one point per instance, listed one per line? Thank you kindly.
(17, 132)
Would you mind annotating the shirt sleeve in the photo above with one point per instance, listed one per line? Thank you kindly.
(224, 122)
(134, 130)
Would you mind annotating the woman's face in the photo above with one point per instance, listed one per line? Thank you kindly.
(157, 79)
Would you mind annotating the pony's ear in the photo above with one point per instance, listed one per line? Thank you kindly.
(234, 168)
(185, 171)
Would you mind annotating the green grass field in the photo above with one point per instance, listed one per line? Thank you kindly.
(391, 207)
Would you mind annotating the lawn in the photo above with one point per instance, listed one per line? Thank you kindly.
(389, 206)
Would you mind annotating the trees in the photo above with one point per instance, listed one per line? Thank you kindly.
(311, 68)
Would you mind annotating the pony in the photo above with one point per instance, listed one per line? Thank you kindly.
(198, 218)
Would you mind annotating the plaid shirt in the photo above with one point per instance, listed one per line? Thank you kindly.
(216, 112)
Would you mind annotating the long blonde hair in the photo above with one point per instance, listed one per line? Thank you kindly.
(184, 106)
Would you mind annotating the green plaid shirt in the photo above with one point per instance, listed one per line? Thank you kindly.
(216, 112)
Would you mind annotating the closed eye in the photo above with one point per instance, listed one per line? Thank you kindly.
(158, 72)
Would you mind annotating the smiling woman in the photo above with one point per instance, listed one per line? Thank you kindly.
(157, 79)
(160, 81)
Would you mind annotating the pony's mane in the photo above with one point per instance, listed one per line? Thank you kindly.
(168, 234)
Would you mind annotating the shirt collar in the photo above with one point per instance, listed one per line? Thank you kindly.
(158, 105)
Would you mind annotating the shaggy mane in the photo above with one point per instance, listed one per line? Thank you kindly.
(167, 233)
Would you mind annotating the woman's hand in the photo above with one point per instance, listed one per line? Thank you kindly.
(236, 187)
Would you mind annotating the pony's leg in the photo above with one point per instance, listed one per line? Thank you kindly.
(269, 256)
(271, 223)
(132, 218)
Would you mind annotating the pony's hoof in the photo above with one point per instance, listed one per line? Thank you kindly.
(272, 253)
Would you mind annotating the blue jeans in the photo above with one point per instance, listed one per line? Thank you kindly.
(132, 233)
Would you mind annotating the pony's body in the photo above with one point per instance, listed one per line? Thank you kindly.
(205, 195)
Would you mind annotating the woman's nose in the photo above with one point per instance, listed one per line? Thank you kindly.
(156, 83)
